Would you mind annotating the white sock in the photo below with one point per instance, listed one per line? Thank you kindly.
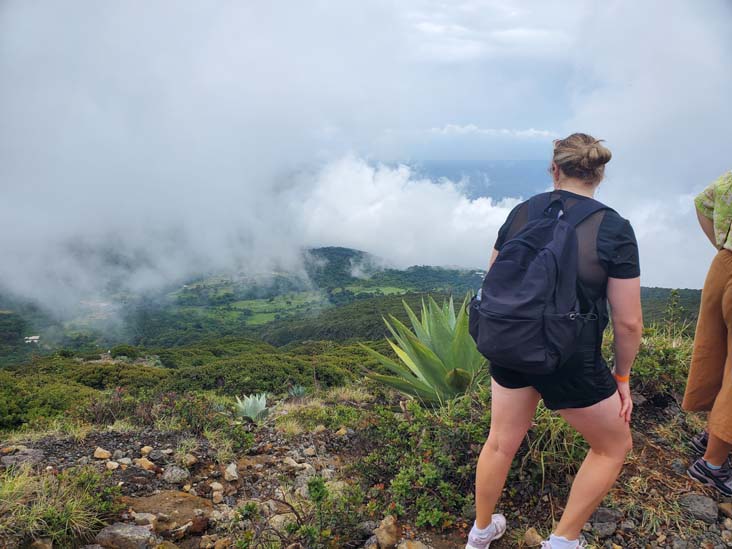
(560, 542)
(483, 532)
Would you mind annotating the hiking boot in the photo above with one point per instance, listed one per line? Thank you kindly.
(498, 522)
(581, 544)
(721, 479)
(699, 443)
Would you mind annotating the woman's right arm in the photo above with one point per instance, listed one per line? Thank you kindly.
(627, 317)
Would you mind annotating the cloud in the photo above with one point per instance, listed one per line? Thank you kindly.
(144, 142)
(455, 129)
(467, 31)
(660, 96)
(399, 216)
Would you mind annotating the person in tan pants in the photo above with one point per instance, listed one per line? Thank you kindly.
(709, 386)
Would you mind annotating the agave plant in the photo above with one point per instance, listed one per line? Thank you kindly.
(297, 391)
(253, 407)
(438, 358)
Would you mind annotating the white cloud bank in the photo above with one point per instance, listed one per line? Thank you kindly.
(394, 214)
(178, 136)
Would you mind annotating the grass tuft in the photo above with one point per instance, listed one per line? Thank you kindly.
(348, 393)
(67, 508)
(289, 426)
(222, 445)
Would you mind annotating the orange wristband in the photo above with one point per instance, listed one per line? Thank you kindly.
(622, 379)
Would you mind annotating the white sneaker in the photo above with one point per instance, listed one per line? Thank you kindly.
(581, 544)
(499, 523)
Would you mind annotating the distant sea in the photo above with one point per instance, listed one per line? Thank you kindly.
(497, 179)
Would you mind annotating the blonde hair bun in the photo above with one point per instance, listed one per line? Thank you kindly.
(582, 156)
(595, 155)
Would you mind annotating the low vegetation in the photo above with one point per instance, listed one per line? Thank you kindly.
(409, 435)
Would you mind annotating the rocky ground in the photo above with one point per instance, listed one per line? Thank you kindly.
(189, 500)
(178, 492)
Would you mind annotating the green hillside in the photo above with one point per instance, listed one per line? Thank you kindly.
(342, 295)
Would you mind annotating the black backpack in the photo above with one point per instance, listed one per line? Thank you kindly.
(527, 314)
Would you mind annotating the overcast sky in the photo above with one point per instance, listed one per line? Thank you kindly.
(194, 135)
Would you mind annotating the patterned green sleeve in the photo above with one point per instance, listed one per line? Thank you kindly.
(705, 201)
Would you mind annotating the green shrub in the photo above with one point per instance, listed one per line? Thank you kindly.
(327, 519)
(125, 351)
(252, 373)
(168, 359)
(107, 407)
(27, 398)
(422, 463)
(662, 364)
(133, 377)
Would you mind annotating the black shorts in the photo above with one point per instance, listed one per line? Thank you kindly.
(582, 381)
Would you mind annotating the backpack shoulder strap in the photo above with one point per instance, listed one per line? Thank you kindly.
(538, 205)
(582, 210)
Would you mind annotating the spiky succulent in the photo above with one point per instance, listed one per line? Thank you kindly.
(297, 391)
(438, 360)
(253, 407)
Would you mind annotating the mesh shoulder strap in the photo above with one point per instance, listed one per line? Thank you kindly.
(582, 210)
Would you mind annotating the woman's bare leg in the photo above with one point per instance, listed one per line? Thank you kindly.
(511, 413)
(717, 450)
(610, 441)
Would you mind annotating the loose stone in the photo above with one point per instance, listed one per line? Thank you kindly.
(231, 473)
(101, 453)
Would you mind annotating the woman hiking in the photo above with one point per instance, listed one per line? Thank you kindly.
(709, 387)
(590, 397)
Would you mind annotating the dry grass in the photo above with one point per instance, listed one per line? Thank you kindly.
(348, 393)
(290, 406)
(289, 426)
(122, 426)
(58, 427)
(647, 489)
(697, 422)
(672, 432)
